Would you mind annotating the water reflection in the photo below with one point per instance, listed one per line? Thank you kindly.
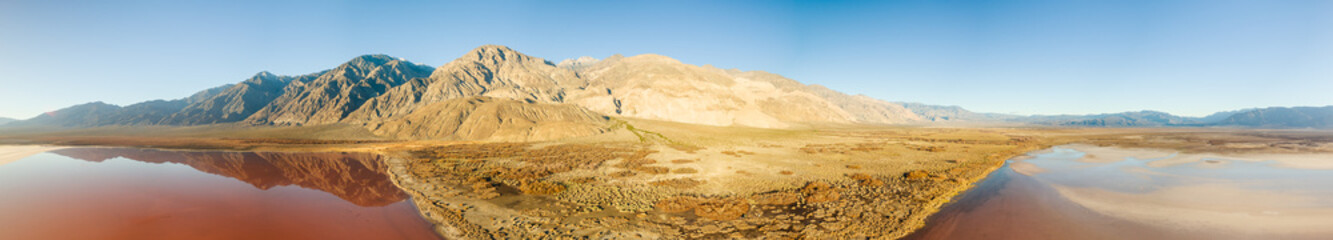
(356, 177)
(107, 193)
(1067, 193)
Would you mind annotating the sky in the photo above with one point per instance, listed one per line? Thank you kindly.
(1189, 58)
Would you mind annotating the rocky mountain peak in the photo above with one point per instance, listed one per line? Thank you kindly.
(496, 54)
(533, 98)
(371, 60)
(263, 76)
(577, 63)
(652, 58)
(368, 62)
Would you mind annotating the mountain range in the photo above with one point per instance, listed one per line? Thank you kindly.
(497, 92)
(494, 92)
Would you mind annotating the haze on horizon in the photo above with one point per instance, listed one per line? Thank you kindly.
(1056, 57)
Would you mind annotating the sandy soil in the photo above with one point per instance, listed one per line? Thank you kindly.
(703, 182)
(11, 153)
(1212, 208)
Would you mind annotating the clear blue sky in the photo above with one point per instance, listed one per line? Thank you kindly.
(1026, 57)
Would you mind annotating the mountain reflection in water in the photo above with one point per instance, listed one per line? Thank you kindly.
(358, 178)
(123, 194)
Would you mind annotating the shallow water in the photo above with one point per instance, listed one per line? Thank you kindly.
(1128, 199)
(112, 193)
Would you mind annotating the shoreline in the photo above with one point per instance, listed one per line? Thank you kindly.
(869, 168)
(938, 204)
(444, 221)
(13, 153)
(450, 222)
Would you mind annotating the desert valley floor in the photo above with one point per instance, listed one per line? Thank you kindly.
(699, 182)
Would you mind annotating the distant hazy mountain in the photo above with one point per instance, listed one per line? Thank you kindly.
(1219, 116)
(1274, 117)
(953, 113)
(82, 115)
(522, 95)
(4, 120)
(1124, 119)
(1283, 117)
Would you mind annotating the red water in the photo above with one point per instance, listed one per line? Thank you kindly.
(99, 193)
(1010, 205)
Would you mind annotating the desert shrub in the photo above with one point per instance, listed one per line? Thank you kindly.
(680, 183)
(684, 171)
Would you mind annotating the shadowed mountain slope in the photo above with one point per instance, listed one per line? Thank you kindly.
(333, 94)
(235, 103)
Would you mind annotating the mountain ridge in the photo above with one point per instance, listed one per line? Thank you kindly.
(1283, 117)
(380, 92)
(377, 91)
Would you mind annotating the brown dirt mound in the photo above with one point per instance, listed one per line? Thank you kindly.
(915, 175)
(866, 180)
(724, 209)
(818, 192)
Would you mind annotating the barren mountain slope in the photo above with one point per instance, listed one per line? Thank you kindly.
(236, 102)
(491, 70)
(487, 118)
(646, 86)
(657, 87)
(377, 90)
(336, 93)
